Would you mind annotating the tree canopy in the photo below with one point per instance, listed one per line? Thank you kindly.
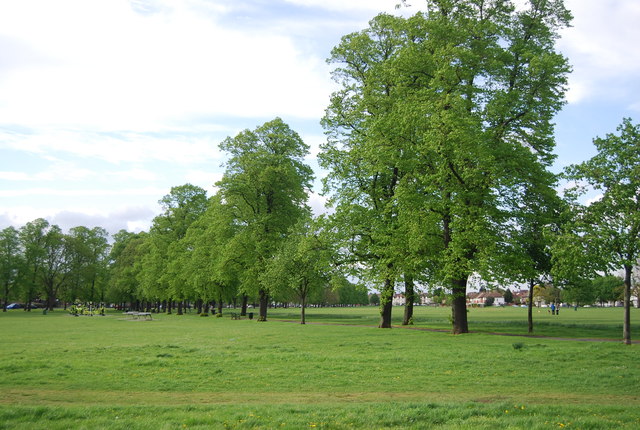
(441, 130)
(605, 234)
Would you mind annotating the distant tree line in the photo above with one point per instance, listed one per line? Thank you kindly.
(440, 140)
(254, 241)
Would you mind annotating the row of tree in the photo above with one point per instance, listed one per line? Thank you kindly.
(255, 240)
(40, 262)
(440, 142)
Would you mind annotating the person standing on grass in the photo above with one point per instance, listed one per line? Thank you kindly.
(553, 308)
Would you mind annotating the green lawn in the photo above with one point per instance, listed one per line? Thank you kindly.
(58, 371)
(604, 323)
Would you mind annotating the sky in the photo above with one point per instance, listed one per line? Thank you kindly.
(107, 104)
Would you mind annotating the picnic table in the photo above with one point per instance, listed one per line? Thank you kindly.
(138, 315)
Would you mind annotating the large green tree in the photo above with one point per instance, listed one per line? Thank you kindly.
(11, 263)
(457, 124)
(301, 265)
(32, 238)
(607, 231)
(160, 278)
(529, 257)
(368, 157)
(266, 182)
(88, 251)
(56, 264)
(124, 267)
(207, 263)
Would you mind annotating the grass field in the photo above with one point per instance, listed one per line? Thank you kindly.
(58, 371)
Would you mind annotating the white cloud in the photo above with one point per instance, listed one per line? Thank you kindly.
(203, 179)
(375, 6)
(69, 171)
(14, 176)
(314, 142)
(127, 218)
(318, 203)
(114, 147)
(137, 175)
(635, 107)
(46, 191)
(594, 199)
(58, 170)
(602, 45)
(131, 218)
(110, 68)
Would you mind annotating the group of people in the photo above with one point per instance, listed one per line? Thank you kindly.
(88, 309)
(554, 309)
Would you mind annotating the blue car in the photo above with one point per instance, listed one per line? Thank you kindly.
(14, 306)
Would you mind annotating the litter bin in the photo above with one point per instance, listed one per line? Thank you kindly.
(250, 315)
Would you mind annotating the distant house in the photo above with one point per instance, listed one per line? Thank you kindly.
(521, 297)
(480, 298)
(421, 299)
(426, 300)
(398, 300)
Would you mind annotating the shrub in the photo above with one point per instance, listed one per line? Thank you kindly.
(374, 299)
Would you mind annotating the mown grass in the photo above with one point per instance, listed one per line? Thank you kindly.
(353, 416)
(57, 371)
(603, 323)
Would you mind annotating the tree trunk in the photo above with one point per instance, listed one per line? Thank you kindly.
(530, 306)
(626, 327)
(264, 302)
(459, 306)
(93, 287)
(386, 304)
(220, 306)
(169, 305)
(303, 299)
(180, 304)
(243, 310)
(410, 298)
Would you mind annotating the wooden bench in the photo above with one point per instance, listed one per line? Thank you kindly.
(235, 316)
(138, 315)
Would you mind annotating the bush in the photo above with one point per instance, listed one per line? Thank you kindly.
(374, 299)
(508, 296)
(489, 301)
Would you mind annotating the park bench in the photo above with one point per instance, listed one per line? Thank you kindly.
(138, 315)
(235, 316)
